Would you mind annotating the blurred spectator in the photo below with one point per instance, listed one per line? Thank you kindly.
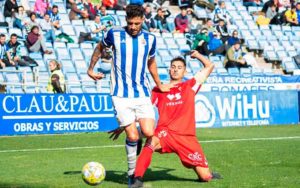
(91, 9)
(210, 4)
(69, 3)
(284, 4)
(182, 22)
(102, 11)
(291, 16)
(252, 3)
(221, 13)
(32, 22)
(106, 20)
(269, 4)
(46, 26)
(201, 41)
(20, 18)
(41, 7)
(96, 29)
(149, 24)
(190, 18)
(14, 53)
(233, 38)
(4, 62)
(78, 11)
(54, 17)
(56, 82)
(10, 8)
(234, 57)
(298, 12)
(209, 25)
(112, 5)
(27, 8)
(271, 11)
(161, 19)
(35, 41)
(215, 44)
(222, 29)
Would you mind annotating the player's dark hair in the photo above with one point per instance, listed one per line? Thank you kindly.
(133, 11)
(13, 35)
(2, 35)
(178, 59)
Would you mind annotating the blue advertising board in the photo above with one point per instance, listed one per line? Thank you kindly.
(73, 113)
(51, 114)
(225, 109)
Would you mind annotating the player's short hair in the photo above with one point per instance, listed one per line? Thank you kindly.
(133, 11)
(2, 35)
(13, 35)
(178, 59)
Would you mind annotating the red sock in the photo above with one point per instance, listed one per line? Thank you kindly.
(143, 161)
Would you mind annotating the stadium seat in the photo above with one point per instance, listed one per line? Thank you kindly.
(35, 55)
(76, 54)
(2, 79)
(16, 31)
(64, 19)
(175, 52)
(59, 45)
(245, 71)
(14, 89)
(68, 66)
(252, 44)
(77, 22)
(75, 89)
(221, 71)
(13, 77)
(62, 53)
(163, 74)
(233, 71)
(85, 45)
(87, 53)
(81, 66)
(90, 89)
(68, 29)
(79, 28)
(86, 80)
(281, 54)
(48, 57)
(41, 65)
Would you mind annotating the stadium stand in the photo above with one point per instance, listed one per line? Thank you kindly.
(269, 44)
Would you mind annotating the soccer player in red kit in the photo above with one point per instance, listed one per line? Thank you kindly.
(176, 128)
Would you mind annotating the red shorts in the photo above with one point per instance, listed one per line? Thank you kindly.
(186, 147)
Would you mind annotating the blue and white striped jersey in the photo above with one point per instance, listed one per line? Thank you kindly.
(131, 54)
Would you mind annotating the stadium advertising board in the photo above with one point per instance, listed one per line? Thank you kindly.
(251, 83)
(225, 109)
(51, 114)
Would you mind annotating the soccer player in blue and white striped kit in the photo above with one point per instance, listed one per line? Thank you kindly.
(133, 51)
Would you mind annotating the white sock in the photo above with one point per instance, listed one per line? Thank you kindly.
(131, 148)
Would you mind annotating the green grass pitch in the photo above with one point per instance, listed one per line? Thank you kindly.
(242, 163)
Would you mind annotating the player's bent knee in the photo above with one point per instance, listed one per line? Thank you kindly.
(148, 133)
(133, 137)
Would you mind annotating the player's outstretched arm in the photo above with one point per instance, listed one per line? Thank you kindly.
(95, 58)
(153, 71)
(202, 75)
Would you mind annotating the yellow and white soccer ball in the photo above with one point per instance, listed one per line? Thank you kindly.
(93, 173)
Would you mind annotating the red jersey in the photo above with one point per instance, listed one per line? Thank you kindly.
(176, 108)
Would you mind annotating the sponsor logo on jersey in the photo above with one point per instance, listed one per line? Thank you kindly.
(162, 134)
(174, 99)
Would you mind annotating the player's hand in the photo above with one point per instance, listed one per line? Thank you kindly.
(195, 54)
(114, 134)
(95, 76)
(166, 87)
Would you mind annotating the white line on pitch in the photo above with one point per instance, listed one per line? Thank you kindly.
(117, 146)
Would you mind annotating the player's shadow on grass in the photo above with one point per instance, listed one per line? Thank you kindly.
(151, 175)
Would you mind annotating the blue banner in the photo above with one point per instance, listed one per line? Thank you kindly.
(225, 109)
(51, 114)
(252, 79)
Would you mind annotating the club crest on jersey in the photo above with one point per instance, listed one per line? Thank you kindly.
(177, 96)
(162, 134)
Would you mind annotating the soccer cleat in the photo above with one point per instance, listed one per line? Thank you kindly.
(130, 180)
(138, 183)
(216, 175)
(139, 146)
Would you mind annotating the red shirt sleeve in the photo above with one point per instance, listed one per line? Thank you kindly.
(194, 85)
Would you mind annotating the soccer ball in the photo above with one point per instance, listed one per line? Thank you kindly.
(93, 173)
